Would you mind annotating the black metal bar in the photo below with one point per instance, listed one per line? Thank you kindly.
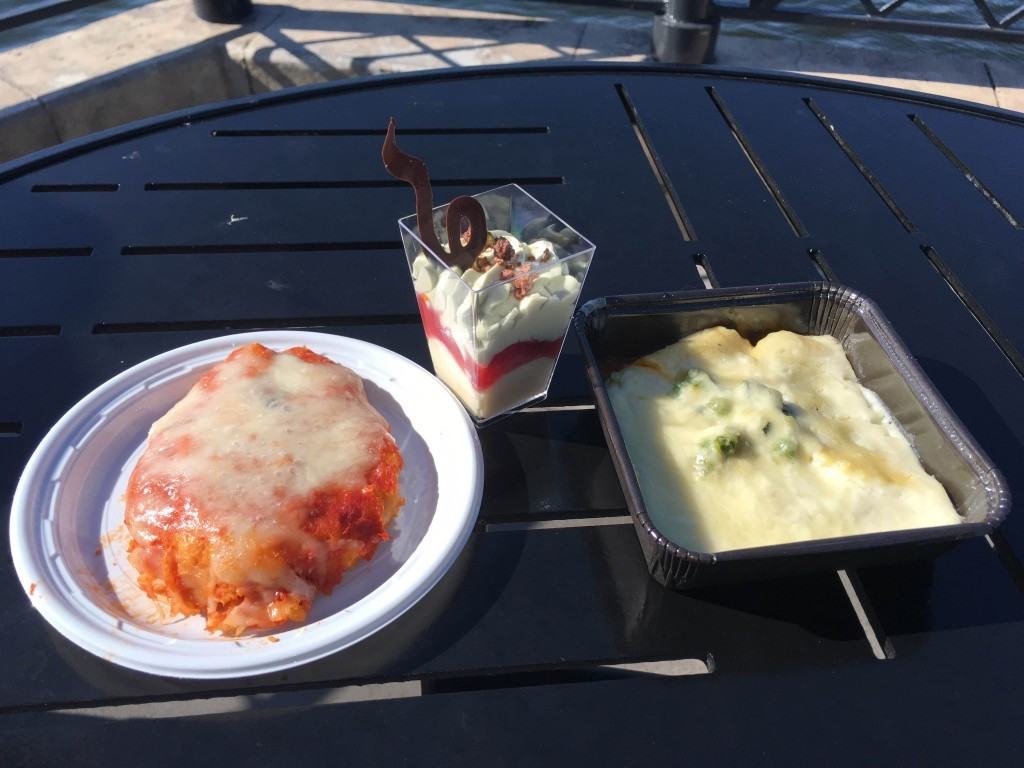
(44, 158)
(678, 212)
(758, 7)
(1011, 17)
(889, 7)
(27, 14)
(822, 265)
(849, 21)
(975, 308)
(632, 5)
(854, 158)
(986, 12)
(767, 179)
(968, 174)
(333, 132)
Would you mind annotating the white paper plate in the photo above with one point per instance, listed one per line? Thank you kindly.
(68, 539)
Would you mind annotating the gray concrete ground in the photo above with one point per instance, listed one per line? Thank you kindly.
(128, 59)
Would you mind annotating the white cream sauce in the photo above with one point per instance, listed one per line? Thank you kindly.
(740, 446)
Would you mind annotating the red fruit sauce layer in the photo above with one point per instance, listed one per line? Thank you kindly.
(484, 376)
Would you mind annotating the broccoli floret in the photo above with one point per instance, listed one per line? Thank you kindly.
(694, 377)
(728, 443)
(713, 451)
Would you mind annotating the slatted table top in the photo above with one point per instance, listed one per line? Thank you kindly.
(276, 213)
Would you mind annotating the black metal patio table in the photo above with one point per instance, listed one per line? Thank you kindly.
(275, 212)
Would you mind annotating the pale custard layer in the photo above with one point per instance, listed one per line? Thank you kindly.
(522, 384)
(738, 445)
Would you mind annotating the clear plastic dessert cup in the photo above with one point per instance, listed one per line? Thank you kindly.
(495, 330)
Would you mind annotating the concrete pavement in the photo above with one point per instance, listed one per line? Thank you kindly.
(128, 59)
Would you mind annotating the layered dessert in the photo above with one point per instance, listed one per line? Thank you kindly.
(739, 445)
(260, 488)
(496, 298)
(495, 329)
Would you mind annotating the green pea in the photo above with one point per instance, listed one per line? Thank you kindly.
(720, 406)
(785, 448)
(694, 377)
(728, 443)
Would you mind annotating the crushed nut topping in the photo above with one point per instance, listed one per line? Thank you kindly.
(503, 250)
(522, 284)
(500, 252)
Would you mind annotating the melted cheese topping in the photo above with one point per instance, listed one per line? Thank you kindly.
(739, 446)
(249, 462)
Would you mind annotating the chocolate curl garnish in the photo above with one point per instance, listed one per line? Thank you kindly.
(468, 209)
(413, 171)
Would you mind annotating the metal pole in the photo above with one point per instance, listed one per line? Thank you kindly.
(222, 11)
(685, 32)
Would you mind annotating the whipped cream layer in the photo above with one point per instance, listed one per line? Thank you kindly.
(527, 296)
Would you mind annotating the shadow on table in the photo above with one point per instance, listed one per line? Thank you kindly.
(970, 585)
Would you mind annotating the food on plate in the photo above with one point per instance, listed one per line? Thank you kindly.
(260, 488)
(495, 329)
(738, 445)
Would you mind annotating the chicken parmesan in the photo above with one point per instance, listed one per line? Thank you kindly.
(260, 488)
